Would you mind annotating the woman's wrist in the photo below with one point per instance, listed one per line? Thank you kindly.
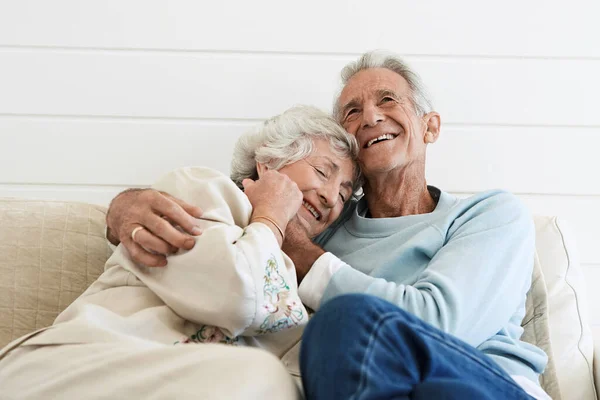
(278, 231)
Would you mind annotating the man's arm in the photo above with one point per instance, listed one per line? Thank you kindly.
(159, 214)
(300, 248)
(471, 287)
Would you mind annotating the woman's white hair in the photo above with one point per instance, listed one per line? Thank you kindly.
(383, 59)
(287, 138)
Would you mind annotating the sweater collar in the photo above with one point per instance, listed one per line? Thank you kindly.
(360, 225)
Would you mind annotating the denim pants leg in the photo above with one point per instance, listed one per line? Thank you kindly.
(362, 347)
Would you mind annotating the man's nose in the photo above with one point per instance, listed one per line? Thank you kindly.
(372, 115)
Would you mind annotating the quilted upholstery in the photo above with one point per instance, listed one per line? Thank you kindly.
(50, 252)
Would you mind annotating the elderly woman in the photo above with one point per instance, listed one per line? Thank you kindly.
(135, 332)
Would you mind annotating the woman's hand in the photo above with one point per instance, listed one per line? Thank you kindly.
(274, 195)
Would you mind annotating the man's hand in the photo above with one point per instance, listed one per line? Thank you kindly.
(158, 214)
(300, 248)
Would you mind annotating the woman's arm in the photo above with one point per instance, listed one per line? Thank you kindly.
(236, 276)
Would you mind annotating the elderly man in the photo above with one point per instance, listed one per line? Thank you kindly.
(427, 290)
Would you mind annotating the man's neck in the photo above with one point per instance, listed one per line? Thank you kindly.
(399, 193)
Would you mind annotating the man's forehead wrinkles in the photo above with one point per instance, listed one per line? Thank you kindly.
(374, 91)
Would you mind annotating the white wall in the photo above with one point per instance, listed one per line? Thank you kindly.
(99, 96)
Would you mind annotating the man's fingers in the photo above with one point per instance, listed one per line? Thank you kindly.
(187, 207)
(164, 230)
(141, 256)
(177, 215)
(148, 241)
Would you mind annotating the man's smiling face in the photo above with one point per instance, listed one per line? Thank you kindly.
(376, 107)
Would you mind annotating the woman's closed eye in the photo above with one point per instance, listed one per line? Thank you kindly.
(321, 172)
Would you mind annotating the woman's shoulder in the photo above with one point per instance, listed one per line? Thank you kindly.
(192, 174)
(211, 190)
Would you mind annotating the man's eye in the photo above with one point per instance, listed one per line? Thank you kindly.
(387, 99)
(351, 112)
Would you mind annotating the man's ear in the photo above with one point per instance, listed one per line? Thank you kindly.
(433, 123)
(261, 169)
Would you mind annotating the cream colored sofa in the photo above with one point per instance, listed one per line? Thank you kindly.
(51, 251)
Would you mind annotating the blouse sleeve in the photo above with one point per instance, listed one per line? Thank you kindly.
(236, 277)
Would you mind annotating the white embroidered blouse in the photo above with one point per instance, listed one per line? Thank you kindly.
(235, 286)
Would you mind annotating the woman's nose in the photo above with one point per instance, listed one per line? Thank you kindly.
(328, 195)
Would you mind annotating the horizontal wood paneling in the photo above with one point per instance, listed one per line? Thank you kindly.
(109, 152)
(513, 28)
(520, 159)
(184, 85)
(136, 151)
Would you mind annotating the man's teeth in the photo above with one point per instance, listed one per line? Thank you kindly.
(387, 136)
(310, 208)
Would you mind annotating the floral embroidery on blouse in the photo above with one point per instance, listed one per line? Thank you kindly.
(283, 308)
(208, 334)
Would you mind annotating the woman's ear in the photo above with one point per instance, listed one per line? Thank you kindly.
(433, 124)
(261, 169)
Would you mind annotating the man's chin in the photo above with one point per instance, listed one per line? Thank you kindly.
(304, 225)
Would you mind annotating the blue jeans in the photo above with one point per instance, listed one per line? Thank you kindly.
(362, 347)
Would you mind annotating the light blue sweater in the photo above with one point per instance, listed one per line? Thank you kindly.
(465, 268)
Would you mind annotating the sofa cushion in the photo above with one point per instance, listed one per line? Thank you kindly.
(572, 347)
(537, 328)
(50, 252)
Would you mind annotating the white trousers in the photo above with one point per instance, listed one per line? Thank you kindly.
(143, 371)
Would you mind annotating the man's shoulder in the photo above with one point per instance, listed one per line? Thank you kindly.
(495, 199)
(493, 208)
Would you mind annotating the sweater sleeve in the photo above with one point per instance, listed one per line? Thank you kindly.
(236, 277)
(477, 280)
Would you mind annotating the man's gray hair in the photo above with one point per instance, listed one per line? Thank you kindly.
(383, 59)
(287, 138)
